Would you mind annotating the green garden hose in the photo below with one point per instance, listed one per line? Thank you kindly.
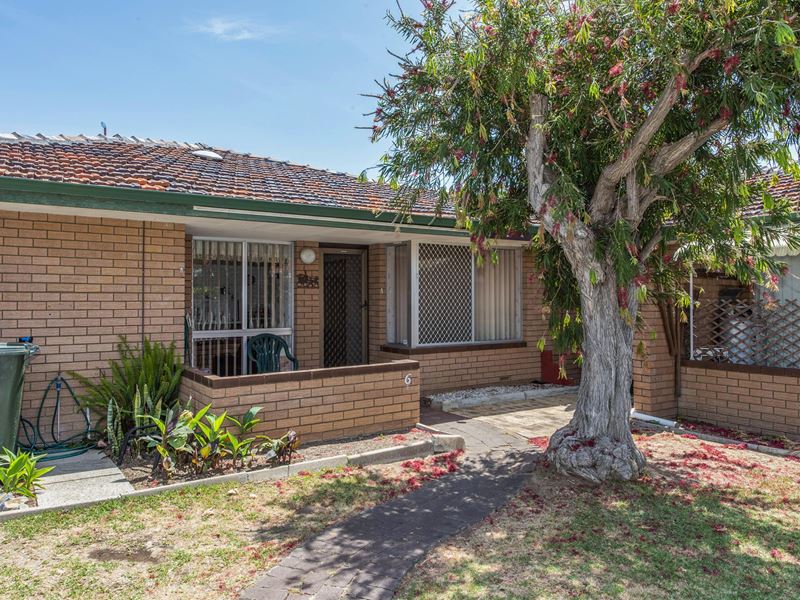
(58, 448)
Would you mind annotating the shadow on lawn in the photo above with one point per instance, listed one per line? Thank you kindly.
(651, 539)
(367, 555)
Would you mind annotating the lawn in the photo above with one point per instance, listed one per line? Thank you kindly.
(203, 542)
(709, 521)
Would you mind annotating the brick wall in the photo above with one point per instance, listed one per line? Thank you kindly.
(307, 319)
(319, 403)
(479, 365)
(75, 285)
(757, 399)
(653, 372)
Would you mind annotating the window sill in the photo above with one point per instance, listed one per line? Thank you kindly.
(469, 347)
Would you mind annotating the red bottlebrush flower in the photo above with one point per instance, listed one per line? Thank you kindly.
(490, 31)
(551, 158)
(459, 154)
(623, 87)
(616, 70)
(715, 53)
(584, 133)
(750, 261)
(532, 36)
(622, 297)
(667, 258)
(427, 4)
(673, 7)
(787, 109)
(777, 554)
(725, 113)
(731, 63)
(607, 43)
(680, 82)
(647, 90)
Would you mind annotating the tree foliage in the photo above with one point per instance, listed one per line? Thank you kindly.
(658, 115)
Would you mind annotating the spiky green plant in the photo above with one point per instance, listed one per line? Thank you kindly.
(152, 373)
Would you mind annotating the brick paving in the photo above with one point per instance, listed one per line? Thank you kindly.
(366, 556)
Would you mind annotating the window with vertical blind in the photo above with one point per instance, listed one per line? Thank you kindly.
(239, 289)
(438, 294)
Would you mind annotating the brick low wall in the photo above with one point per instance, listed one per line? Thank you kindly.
(472, 366)
(758, 399)
(77, 283)
(320, 404)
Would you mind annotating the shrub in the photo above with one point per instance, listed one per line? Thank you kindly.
(137, 384)
(19, 474)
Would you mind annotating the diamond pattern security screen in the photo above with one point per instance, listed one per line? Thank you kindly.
(748, 332)
(445, 294)
(239, 289)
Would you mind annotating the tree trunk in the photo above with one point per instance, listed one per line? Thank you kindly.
(597, 443)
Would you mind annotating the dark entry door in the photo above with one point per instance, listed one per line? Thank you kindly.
(344, 308)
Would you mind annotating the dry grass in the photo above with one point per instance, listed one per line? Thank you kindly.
(709, 521)
(204, 542)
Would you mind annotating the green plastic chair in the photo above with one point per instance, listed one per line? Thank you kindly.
(265, 351)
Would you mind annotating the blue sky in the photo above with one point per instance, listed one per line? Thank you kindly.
(279, 79)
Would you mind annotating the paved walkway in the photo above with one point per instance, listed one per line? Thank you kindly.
(84, 478)
(366, 556)
(525, 418)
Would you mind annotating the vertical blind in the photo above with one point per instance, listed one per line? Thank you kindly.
(456, 300)
(496, 298)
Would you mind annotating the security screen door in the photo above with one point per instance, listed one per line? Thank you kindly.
(344, 307)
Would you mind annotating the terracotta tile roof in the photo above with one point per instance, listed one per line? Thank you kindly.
(785, 186)
(176, 167)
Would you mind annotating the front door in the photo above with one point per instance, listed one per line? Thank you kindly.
(344, 307)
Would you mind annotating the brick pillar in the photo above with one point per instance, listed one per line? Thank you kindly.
(654, 373)
(376, 298)
(307, 303)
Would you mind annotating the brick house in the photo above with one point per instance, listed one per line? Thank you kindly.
(736, 362)
(102, 237)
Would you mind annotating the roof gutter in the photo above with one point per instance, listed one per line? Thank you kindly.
(51, 193)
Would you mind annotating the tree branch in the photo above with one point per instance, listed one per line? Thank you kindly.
(603, 198)
(648, 248)
(671, 155)
(538, 182)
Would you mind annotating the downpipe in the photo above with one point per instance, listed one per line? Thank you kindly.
(635, 414)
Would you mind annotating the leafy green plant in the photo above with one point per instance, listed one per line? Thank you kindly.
(278, 449)
(238, 448)
(172, 437)
(248, 421)
(19, 474)
(152, 373)
(209, 438)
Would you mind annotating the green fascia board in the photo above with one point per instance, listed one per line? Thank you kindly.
(98, 197)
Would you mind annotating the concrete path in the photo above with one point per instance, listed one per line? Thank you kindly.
(366, 556)
(84, 478)
(525, 418)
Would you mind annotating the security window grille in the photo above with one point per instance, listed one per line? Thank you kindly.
(437, 294)
(239, 289)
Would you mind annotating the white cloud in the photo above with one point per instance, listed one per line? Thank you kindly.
(235, 30)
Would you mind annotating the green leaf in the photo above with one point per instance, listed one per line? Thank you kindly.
(594, 90)
(592, 277)
(540, 344)
(784, 34)
(797, 59)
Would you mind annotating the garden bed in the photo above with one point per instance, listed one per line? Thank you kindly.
(139, 470)
(772, 441)
(708, 521)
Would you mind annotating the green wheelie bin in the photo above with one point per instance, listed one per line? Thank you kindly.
(14, 357)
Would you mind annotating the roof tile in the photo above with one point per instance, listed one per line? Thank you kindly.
(127, 162)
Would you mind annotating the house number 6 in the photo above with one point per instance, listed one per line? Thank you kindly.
(408, 379)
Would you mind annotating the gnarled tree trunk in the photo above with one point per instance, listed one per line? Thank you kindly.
(597, 443)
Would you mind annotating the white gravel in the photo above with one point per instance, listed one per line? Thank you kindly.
(496, 394)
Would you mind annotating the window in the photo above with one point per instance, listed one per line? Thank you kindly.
(437, 294)
(239, 289)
